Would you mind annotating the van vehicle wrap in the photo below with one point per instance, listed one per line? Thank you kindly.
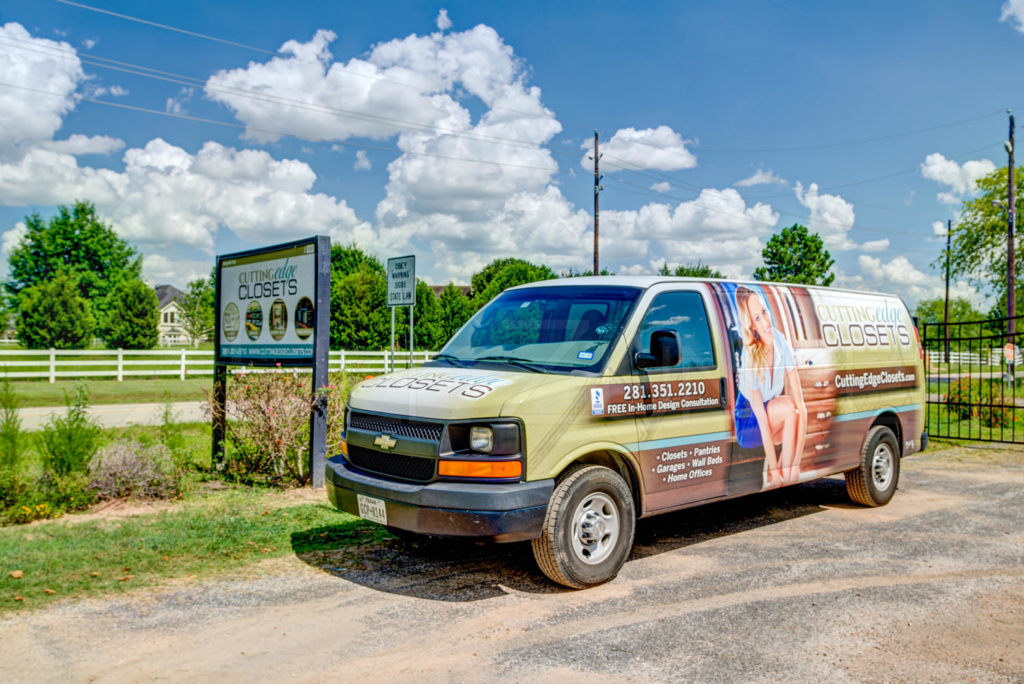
(629, 397)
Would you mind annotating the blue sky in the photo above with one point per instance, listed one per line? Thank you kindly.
(456, 131)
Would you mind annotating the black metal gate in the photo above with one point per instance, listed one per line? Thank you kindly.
(974, 380)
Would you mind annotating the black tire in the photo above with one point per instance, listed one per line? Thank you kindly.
(588, 529)
(873, 483)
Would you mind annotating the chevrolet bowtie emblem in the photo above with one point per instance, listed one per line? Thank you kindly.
(385, 442)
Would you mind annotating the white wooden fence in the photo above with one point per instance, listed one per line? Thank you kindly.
(992, 356)
(54, 364)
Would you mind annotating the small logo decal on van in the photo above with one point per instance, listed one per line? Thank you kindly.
(597, 401)
(585, 355)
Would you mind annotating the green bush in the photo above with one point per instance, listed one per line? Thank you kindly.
(984, 400)
(54, 314)
(67, 443)
(133, 316)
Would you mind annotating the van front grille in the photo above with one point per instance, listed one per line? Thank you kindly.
(396, 465)
(396, 426)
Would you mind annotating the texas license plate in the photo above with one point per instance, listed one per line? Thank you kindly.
(373, 509)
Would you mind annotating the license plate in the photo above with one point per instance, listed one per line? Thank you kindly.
(372, 509)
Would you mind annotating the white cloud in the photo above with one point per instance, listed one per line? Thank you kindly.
(12, 238)
(762, 177)
(26, 118)
(939, 228)
(831, 216)
(90, 43)
(658, 148)
(962, 180)
(1013, 12)
(876, 245)
(166, 196)
(663, 186)
(362, 161)
(902, 278)
(403, 85)
(176, 104)
(717, 228)
(443, 22)
(118, 91)
(157, 269)
(78, 144)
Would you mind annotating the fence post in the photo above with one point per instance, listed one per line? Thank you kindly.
(183, 363)
(120, 365)
(53, 365)
(341, 365)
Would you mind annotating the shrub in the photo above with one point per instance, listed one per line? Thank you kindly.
(126, 469)
(267, 431)
(986, 401)
(11, 446)
(68, 442)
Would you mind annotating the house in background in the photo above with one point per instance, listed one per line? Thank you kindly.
(169, 328)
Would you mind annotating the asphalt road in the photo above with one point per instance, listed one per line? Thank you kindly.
(792, 585)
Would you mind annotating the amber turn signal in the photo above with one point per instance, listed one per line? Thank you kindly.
(500, 469)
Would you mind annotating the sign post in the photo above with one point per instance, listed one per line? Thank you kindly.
(402, 292)
(273, 309)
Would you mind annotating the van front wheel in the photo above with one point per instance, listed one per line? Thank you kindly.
(873, 483)
(588, 529)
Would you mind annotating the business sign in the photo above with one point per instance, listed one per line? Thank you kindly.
(402, 281)
(267, 303)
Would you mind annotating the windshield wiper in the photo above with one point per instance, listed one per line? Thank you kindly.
(525, 364)
(452, 359)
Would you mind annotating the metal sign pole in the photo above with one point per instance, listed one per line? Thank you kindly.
(391, 365)
(410, 335)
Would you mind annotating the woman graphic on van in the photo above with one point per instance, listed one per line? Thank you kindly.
(770, 407)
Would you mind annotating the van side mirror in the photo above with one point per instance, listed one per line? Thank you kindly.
(664, 351)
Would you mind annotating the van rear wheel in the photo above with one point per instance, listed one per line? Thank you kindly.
(874, 482)
(588, 529)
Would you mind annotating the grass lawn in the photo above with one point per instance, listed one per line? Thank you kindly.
(43, 393)
(211, 533)
(943, 424)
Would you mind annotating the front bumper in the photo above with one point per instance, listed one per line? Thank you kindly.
(502, 512)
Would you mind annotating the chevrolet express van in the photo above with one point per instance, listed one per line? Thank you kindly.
(565, 410)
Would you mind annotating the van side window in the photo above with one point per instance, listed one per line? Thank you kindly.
(684, 313)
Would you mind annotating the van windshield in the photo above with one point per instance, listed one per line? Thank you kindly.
(544, 329)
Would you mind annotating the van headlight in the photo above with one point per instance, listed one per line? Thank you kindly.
(481, 438)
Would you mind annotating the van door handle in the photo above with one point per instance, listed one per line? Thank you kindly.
(723, 396)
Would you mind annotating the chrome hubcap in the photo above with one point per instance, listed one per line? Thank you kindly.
(882, 466)
(595, 528)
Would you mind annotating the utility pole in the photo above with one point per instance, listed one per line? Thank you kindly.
(597, 210)
(949, 231)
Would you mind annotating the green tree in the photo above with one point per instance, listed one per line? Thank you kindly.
(694, 270)
(454, 310)
(54, 314)
(360, 319)
(426, 320)
(77, 242)
(134, 318)
(197, 308)
(978, 249)
(502, 274)
(794, 255)
(961, 311)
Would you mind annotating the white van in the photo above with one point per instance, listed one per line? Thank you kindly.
(565, 410)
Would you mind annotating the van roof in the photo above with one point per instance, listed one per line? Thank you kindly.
(646, 281)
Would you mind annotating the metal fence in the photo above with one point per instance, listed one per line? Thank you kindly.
(974, 374)
(56, 364)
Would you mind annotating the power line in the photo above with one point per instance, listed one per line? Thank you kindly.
(166, 27)
(192, 82)
(269, 52)
(228, 124)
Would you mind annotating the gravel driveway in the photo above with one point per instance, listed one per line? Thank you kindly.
(794, 585)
